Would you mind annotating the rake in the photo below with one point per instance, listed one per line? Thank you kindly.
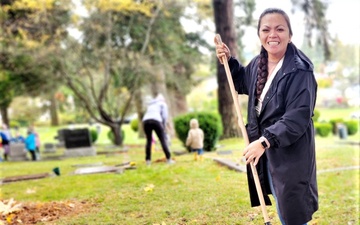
(244, 132)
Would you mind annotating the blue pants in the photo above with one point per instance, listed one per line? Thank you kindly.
(274, 195)
(200, 151)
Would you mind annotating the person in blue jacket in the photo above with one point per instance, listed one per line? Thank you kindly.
(281, 87)
(5, 135)
(30, 144)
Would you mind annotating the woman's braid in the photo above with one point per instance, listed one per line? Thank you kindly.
(262, 72)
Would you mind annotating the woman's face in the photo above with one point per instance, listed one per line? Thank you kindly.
(274, 34)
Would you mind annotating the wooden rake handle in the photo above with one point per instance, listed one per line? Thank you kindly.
(243, 131)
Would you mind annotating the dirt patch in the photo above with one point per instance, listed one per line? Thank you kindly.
(33, 213)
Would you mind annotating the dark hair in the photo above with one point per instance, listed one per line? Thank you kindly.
(278, 11)
(263, 72)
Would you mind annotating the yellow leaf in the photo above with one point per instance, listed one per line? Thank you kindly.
(40, 5)
(9, 218)
(149, 188)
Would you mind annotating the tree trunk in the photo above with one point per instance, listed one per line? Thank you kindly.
(116, 131)
(223, 13)
(159, 86)
(177, 102)
(140, 112)
(4, 116)
(53, 111)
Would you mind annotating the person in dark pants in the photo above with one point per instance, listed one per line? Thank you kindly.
(30, 144)
(155, 119)
(281, 89)
(5, 135)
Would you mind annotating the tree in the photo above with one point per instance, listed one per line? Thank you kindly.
(223, 14)
(124, 53)
(315, 20)
(108, 72)
(31, 31)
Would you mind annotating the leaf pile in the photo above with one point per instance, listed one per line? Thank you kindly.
(31, 213)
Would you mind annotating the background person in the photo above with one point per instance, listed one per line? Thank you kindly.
(30, 144)
(19, 138)
(37, 140)
(155, 119)
(282, 89)
(5, 140)
(195, 139)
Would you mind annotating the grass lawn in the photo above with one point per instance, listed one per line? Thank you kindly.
(188, 192)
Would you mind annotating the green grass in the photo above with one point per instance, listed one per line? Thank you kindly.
(189, 192)
(334, 113)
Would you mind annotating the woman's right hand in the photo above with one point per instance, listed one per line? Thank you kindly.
(221, 51)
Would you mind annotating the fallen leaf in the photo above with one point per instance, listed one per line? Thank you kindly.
(9, 218)
(9, 206)
(30, 191)
(149, 188)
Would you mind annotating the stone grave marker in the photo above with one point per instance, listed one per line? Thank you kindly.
(99, 169)
(24, 177)
(49, 148)
(60, 138)
(17, 152)
(77, 142)
(231, 164)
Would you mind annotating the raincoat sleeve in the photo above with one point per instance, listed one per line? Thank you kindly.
(299, 106)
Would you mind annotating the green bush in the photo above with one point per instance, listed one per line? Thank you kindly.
(66, 118)
(134, 124)
(210, 123)
(110, 135)
(316, 115)
(352, 126)
(334, 123)
(323, 129)
(16, 123)
(93, 135)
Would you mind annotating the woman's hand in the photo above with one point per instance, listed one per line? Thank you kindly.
(221, 51)
(253, 152)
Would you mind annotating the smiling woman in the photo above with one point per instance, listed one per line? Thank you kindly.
(282, 88)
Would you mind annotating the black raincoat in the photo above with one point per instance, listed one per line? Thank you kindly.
(286, 121)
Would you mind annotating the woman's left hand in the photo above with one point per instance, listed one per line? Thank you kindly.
(253, 152)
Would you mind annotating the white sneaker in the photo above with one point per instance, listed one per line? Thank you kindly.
(170, 161)
(148, 162)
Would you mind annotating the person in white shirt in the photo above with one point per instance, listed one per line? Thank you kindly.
(155, 119)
